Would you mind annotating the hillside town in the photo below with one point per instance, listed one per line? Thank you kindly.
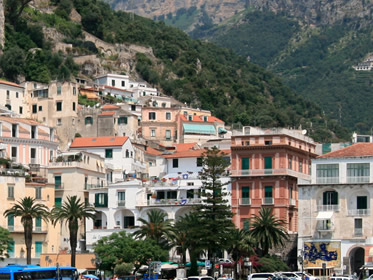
(125, 149)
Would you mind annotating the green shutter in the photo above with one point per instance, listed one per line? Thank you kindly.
(105, 200)
(97, 199)
(268, 192)
(38, 248)
(11, 220)
(362, 202)
(246, 224)
(245, 192)
(58, 202)
(11, 249)
(38, 222)
(245, 163)
(268, 163)
(57, 182)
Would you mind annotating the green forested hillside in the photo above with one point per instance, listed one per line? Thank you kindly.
(192, 71)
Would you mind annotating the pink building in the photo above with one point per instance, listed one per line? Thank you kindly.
(27, 141)
(266, 168)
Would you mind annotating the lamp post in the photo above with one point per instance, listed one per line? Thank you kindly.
(301, 260)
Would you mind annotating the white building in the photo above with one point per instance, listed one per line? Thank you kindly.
(12, 96)
(335, 226)
(118, 152)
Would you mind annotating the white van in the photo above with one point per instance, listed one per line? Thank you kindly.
(260, 276)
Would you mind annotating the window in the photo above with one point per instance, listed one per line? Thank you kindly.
(160, 195)
(38, 248)
(20, 110)
(113, 83)
(16, 94)
(168, 134)
(40, 108)
(14, 153)
(33, 155)
(59, 106)
(152, 116)
(38, 193)
(7, 94)
(268, 142)
(122, 120)
(11, 222)
(73, 106)
(190, 118)
(358, 172)
(268, 191)
(121, 196)
(168, 116)
(152, 132)
(290, 192)
(268, 165)
(129, 221)
(58, 202)
(57, 182)
(123, 83)
(59, 90)
(290, 163)
(38, 224)
(34, 108)
(361, 202)
(11, 191)
(171, 195)
(190, 193)
(11, 249)
(127, 154)
(327, 173)
(101, 200)
(330, 198)
(205, 118)
(108, 153)
(246, 224)
(300, 166)
(133, 107)
(245, 163)
(245, 192)
(59, 121)
(164, 105)
(358, 227)
(199, 162)
(175, 163)
(88, 121)
(74, 90)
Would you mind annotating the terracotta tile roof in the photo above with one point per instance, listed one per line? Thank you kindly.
(23, 130)
(42, 132)
(356, 150)
(110, 107)
(192, 153)
(184, 146)
(110, 87)
(10, 84)
(107, 114)
(210, 119)
(19, 120)
(152, 151)
(104, 141)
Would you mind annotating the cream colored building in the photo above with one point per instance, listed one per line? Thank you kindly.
(45, 235)
(56, 105)
(12, 96)
(74, 173)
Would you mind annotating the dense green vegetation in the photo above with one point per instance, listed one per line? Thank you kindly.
(200, 74)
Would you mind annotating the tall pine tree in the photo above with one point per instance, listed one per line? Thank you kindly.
(215, 212)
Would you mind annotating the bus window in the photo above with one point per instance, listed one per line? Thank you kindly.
(4, 276)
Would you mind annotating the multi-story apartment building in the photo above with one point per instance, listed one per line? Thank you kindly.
(119, 154)
(335, 225)
(12, 96)
(55, 105)
(26, 141)
(266, 167)
(73, 174)
(13, 187)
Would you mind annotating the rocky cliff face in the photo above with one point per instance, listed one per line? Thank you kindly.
(311, 11)
(2, 23)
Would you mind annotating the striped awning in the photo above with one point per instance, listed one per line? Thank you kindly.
(199, 128)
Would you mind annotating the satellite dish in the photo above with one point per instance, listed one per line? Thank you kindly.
(304, 131)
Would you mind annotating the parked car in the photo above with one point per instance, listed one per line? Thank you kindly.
(200, 278)
(260, 276)
(307, 276)
(225, 261)
(292, 275)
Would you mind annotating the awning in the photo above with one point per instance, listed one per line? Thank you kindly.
(199, 128)
(81, 270)
(222, 130)
(324, 215)
(164, 188)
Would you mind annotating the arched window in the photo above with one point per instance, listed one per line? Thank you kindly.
(88, 121)
(330, 198)
(127, 154)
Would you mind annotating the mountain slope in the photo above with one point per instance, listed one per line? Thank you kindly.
(194, 72)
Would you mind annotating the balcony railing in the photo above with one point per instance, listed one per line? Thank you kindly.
(245, 201)
(265, 172)
(325, 227)
(334, 208)
(171, 202)
(38, 229)
(12, 172)
(359, 212)
(11, 228)
(327, 180)
(358, 232)
(93, 186)
(121, 203)
(59, 186)
(358, 179)
(268, 201)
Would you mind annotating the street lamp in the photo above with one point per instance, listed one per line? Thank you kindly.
(301, 260)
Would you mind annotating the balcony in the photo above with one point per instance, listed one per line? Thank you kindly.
(121, 203)
(325, 227)
(359, 212)
(269, 172)
(173, 202)
(245, 201)
(268, 201)
(59, 186)
(358, 179)
(12, 172)
(292, 202)
(334, 208)
(358, 232)
(93, 186)
(327, 180)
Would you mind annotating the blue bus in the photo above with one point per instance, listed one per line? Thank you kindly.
(34, 272)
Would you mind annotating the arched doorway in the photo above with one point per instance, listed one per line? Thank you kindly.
(357, 259)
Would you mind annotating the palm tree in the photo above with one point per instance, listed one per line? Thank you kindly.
(241, 244)
(158, 228)
(70, 213)
(268, 230)
(28, 210)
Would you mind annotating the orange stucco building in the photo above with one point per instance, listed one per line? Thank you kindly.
(266, 167)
